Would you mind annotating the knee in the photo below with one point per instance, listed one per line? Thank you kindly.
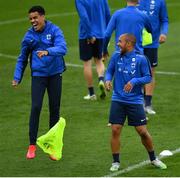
(36, 108)
(115, 131)
(144, 134)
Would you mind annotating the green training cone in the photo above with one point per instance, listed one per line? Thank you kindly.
(52, 141)
(147, 38)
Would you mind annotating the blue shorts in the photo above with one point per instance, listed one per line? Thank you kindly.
(134, 112)
(87, 51)
(152, 55)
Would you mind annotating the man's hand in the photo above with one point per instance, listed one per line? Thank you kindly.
(42, 53)
(91, 40)
(15, 83)
(128, 87)
(162, 38)
(108, 85)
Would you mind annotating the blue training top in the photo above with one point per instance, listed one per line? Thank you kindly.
(50, 39)
(128, 20)
(124, 68)
(94, 16)
(157, 11)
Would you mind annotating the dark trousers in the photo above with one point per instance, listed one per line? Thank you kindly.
(53, 84)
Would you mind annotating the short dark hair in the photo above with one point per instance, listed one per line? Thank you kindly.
(38, 9)
(130, 38)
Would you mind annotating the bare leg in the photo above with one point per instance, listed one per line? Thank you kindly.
(99, 67)
(88, 73)
(146, 138)
(149, 88)
(115, 139)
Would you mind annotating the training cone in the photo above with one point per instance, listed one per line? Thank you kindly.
(52, 141)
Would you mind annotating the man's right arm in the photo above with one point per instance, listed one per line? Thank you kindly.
(110, 72)
(110, 28)
(83, 15)
(21, 62)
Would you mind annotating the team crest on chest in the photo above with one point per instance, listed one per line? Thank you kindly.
(48, 36)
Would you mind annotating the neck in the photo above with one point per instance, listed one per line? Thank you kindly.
(130, 49)
(131, 4)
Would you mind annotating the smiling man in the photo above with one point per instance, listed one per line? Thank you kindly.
(130, 72)
(44, 43)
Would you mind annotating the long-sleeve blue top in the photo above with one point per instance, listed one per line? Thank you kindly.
(50, 39)
(94, 16)
(100, 16)
(157, 12)
(130, 67)
(128, 20)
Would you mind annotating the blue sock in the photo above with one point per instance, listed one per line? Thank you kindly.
(151, 155)
(101, 78)
(116, 157)
(147, 99)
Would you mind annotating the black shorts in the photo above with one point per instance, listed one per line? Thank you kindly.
(87, 51)
(152, 55)
(134, 112)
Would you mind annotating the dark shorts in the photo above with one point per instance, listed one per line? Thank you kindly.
(134, 112)
(152, 55)
(87, 51)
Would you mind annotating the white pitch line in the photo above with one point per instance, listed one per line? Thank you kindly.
(48, 16)
(139, 165)
(81, 66)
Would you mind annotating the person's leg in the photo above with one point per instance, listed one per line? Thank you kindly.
(97, 54)
(99, 68)
(88, 75)
(152, 55)
(38, 87)
(115, 146)
(54, 90)
(117, 119)
(100, 71)
(85, 49)
(115, 140)
(146, 140)
(37, 93)
(149, 89)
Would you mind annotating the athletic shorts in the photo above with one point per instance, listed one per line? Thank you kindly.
(87, 51)
(135, 114)
(152, 55)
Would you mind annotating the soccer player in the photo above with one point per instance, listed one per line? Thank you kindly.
(44, 43)
(94, 16)
(157, 12)
(130, 71)
(128, 20)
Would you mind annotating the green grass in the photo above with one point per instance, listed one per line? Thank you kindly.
(86, 149)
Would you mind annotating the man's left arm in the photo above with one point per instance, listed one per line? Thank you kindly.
(59, 48)
(145, 70)
(163, 22)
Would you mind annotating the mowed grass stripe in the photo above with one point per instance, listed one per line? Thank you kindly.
(81, 66)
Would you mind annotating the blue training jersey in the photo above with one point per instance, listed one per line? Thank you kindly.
(94, 16)
(128, 20)
(50, 39)
(100, 16)
(157, 12)
(131, 67)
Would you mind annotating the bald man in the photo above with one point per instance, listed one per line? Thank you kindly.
(129, 72)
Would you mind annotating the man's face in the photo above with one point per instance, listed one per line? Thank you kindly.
(37, 21)
(122, 43)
